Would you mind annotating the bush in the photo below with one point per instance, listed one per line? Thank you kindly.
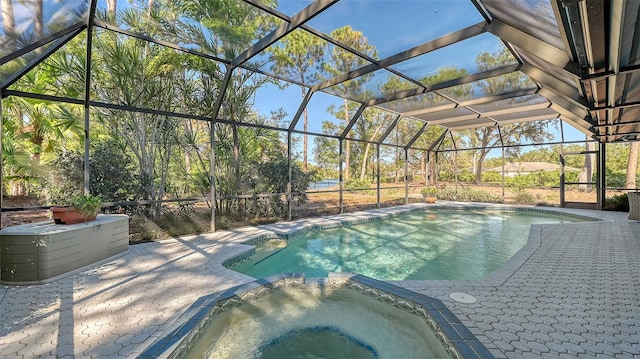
(110, 177)
(468, 194)
(429, 191)
(523, 197)
(353, 184)
(617, 203)
(492, 177)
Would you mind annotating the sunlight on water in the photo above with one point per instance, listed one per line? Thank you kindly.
(317, 322)
(416, 245)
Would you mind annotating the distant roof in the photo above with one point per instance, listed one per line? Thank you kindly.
(530, 167)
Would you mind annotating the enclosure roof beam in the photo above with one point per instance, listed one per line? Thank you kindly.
(518, 145)
(301, 108)
(15, 54)
(441, 42)
(416, 136)
(170, 45)
(564, 28)
(438, 140)
(445, 84)
(306, 14)
(472, 102)
(453, 140)
(482, 10)
(38, 96)
(317, 33)
(191, 52)
(542, 49)
(43, 56)
(549, 81)
(353, 121)
(222, 91)
(389, 129)
(636, 122)
(606, 74)
(511, 110)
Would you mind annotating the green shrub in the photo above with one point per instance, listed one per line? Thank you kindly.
(110, 176)
(617, 203)
(524, 197)
(429, 191)
(468, 194)
(492, 177)
(353, 184)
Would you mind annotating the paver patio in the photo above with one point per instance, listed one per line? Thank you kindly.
(576, 293)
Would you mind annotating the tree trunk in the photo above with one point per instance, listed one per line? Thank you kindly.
(305, 138)
(481, 158)
(432, 170)
(347, 151)
(150, 7)
(363, 169)
(365, 157)
(8, 24)
(236, 157)
(39, 22)
(632, 165)
(111, 8)
(423, 168)
(586, 175)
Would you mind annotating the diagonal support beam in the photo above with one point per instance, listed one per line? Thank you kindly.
(168, 44)
(14, 55)
(297, 20)
(33, 63)
(416, 136)
(389, 129)
(433, 45)
(303, 105)
(353, 121)
(437, 142)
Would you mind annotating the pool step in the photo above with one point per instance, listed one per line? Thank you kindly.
(268, 249)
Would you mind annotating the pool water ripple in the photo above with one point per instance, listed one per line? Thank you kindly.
(443, 244)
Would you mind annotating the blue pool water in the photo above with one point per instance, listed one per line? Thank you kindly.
(416, 245)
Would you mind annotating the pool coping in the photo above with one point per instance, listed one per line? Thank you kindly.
(450, 331)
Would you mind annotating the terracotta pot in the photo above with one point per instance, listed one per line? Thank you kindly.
(69, 215)
(430, 199)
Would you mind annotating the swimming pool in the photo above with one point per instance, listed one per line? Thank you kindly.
(423, 244)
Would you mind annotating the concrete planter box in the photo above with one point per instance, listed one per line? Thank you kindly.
(42, 252)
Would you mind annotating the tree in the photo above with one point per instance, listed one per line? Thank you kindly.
(341, 62)
(586, 174)
(512, 133)
(632, 165)
(300, 52)
(138, 74)
(8, 24)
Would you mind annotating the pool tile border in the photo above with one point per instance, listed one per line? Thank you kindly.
(455, 337)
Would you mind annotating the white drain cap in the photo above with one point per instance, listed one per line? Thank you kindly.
(463, 298)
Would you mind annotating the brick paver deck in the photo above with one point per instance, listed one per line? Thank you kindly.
(573, 293)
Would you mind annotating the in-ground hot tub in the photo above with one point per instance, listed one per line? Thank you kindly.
(342, 316)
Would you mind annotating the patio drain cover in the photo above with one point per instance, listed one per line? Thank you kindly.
(463, 298)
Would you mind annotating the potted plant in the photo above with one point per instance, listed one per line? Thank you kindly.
(84, 208)
(429, 194)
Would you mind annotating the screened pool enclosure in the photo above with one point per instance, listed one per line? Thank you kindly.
(145, 102)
